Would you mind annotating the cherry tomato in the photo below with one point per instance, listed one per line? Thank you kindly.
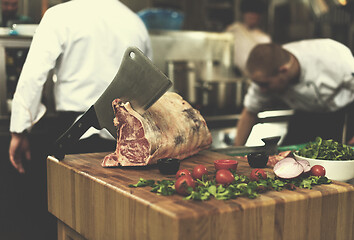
(199, 171)
(183, 172)
(318, 170)
(182, 184)
(257, 173)
(224, 177)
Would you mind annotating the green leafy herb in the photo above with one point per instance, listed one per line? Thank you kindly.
(198, 195)
(242, 186)
(164, 187)
(143, 183)
(327, 150)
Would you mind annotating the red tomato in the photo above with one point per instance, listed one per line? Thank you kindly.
(224, 177)
(318, 170)
(182, 184)
(257, 173)
(199, 171)
(183, 172)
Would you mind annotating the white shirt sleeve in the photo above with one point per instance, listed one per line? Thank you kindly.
(26, 105)
(326, 81)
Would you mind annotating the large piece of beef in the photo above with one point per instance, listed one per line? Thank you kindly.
(171, 127)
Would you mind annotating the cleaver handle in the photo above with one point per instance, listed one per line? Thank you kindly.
(66, 141)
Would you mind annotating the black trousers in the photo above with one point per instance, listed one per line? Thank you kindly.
(92, 144)
(23, 199)
(306, 126)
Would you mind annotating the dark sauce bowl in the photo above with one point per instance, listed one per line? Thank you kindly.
(258, 159)
(168, 166)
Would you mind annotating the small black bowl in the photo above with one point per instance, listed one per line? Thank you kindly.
(168, 166)
(258, 160)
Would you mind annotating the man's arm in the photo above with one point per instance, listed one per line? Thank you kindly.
(351, 141)
(27, 108)
(244, 126)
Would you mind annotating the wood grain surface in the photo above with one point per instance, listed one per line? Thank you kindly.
(97, 203)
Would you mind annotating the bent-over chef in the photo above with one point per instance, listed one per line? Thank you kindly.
(314, 77)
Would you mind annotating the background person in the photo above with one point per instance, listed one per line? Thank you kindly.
(83, 41)
(247, 33)
(85, 49)
(313, 77)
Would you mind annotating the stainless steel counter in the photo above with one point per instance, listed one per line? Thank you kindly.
(223, 128)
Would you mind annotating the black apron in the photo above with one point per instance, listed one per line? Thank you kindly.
(306, 126)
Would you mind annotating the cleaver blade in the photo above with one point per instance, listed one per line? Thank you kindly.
(137, 81)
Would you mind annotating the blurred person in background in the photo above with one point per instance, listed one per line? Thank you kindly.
(248, 33)
(313, 77)
(83, 42)
(10, 14)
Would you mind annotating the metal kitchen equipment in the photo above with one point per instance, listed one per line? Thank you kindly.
(191, 46)
(138, 81)
(219, 90)
(221, 96)
(191, 58)
(184, 77)
(270, 148)
(208, 86)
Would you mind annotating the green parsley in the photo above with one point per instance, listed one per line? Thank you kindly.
(240, 187)
(143, 183)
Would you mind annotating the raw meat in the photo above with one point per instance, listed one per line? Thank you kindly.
(169, 128)
(273, 159)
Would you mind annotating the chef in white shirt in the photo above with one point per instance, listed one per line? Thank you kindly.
(84, 42)
(247, 33)
(314, 77)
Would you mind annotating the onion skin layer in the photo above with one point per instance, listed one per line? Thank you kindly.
(288, 168)
(307, 167)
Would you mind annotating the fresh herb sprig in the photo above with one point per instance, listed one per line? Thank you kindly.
(240, 187)
(163, 187)
(143, 183)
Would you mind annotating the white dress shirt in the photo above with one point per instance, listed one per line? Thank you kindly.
(84, 42)
(326, 80)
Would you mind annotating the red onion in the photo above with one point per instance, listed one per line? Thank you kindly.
(288, 168)
(306, 165)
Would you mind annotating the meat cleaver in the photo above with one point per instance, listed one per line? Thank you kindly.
(137, 81)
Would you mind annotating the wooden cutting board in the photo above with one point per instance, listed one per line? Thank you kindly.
(97, 203)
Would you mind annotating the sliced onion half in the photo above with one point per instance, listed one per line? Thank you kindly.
(288, 168)
(306, 165)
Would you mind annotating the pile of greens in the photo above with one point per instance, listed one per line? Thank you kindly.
(327, 150)
(241, 186)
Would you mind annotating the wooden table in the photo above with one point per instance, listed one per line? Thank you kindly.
(92, 202)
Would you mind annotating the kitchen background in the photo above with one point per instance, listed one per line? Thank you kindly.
(197, 56)
(285, 20)
(198, 60)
